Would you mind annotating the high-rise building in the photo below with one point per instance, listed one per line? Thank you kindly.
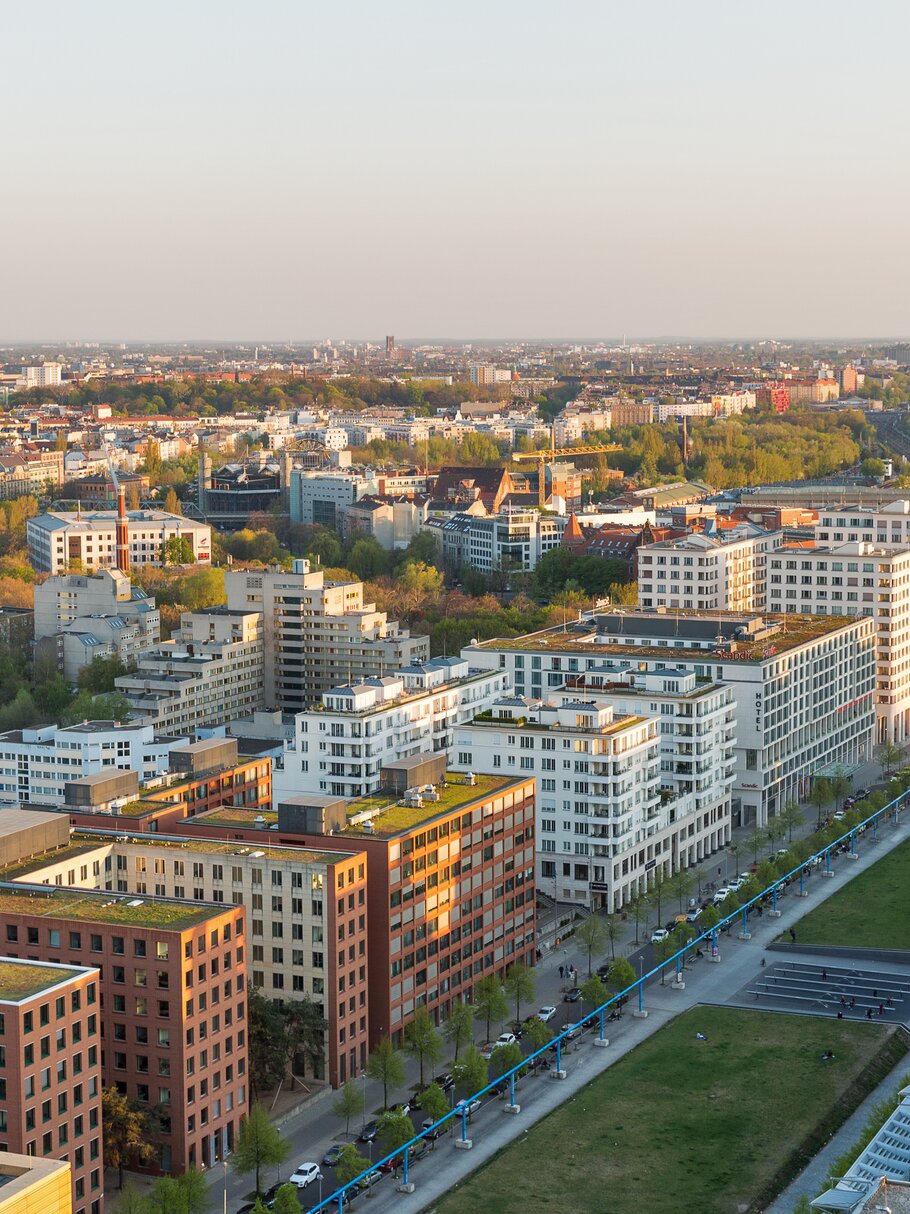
(857, 579)
(342, 744)
(209, 672)
(61, 539)
(173, 988)
(633, 772)
(43, 375)
(50, 1068)
(79, 617)
(708, 571)
(390, 346)
(803, 686)
(318, 634)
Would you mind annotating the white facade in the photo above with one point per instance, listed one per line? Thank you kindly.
(323, 497)
(44, 375)
(514, 541)
(727, 404)
(803, 689)
(209, 673)
(318, 634)
(707, 572)
(857, 579)
(35, 764)
(888, 525)
(59, 538)
(340, 746)
(633, 774)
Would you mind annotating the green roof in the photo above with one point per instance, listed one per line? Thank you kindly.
(227, 815)
(101, 906)
(394, 817)
(19, 980)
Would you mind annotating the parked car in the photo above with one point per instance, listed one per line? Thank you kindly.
(369, 1132)
(445, 1081)
(693, 915)
(505, 1039)
(721, 894)
(467, 1106)
(572, 1031)
(371, 1178)
(545, 1013)
(432, 1130)
(332, 1155)
(573, 995)
(736, 884)
(659, 935)
(405, 1107)
(306, 1173)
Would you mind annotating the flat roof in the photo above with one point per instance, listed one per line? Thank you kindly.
(684, 632)
(395, 817)
(20, 980)
(102, 906)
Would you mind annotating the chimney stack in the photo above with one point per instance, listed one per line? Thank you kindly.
(122, 533)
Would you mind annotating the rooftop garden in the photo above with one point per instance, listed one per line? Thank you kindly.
(397, 816)
(105, 907)
(20, 981)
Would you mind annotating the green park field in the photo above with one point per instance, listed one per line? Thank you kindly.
(872, 911)
(683, 1124)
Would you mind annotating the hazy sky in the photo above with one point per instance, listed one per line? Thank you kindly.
(282, 169)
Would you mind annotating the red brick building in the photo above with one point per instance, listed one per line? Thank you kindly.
(173, 1003)
(50, 1070)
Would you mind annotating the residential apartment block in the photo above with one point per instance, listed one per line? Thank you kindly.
(293, 918)
(61, 540)
(889, 524)
(50, 1073)
(803, 686)
(30, 473)
(709, 571)
(317, 634)
(854, 579)
(210, 672)
(79, 617)
(173, 997)
(28, 1183)
(341, 745)
(513, 541)
(634, 772)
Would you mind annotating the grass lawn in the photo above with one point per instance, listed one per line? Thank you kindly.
(680, 1124)
(871, 911)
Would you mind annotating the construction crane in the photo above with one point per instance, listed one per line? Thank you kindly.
(546, 457)
(122, 527)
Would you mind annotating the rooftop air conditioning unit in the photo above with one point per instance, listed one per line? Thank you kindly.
(368, 828)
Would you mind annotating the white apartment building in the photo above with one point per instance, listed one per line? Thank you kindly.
(727, 404)
(60, 538)
(707, 571)
(36, 764)
(341, 745)
(803, 687)
(43, 375)
(514, 541)
(887, 525)
(666, 410)
(857, 579)
(318, 634)
(209, 673)
(634, 772)
(79, 617)
(323, 497)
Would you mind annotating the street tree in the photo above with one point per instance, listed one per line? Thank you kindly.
(490, 1002)
(663, 952)
(519, 985)
(888, 755)
(841, 784)
(504, 1058)
(286, 1200)
(395, 1129)
(792, 818)
(267, 1042)
(612, 926)
(594, 991)
(385, 1065)
(591, 935)
(422, 1040)
(755, 842)
(351, 1163)
(776, 830)
(128, 1134)
(638, 907)
(620, 974)
(131, 1200)
(258, 1146)
(348, 1103)
(537, 1033)
(459, 1028)
(681, 883)
(433, 1102)
(820, 795)
(470, 1072)
(657, 890)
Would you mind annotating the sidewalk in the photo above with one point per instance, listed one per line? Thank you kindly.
(309, 1134)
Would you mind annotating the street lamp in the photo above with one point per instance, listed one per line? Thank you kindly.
(224, 1165)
